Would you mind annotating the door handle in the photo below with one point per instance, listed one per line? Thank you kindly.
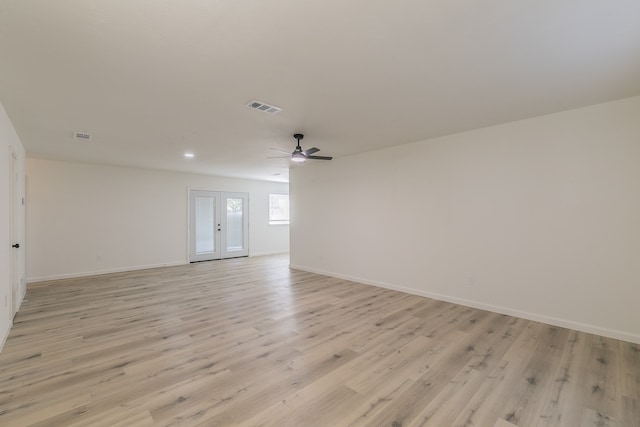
(17, 245)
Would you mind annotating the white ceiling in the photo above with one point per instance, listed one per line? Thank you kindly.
(152, 79)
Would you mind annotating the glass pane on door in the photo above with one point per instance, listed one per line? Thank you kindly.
(204, 224)
(235, 224)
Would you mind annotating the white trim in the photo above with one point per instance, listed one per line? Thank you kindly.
(252, 254)
(107, 271)
(3, 341)
(563, 323)
(125, 269)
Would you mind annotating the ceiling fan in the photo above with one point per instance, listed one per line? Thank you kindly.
(301, 156)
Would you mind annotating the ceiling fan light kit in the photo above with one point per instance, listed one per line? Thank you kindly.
(298, 157)
(301, 156)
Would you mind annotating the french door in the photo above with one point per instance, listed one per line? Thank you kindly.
(218, 225)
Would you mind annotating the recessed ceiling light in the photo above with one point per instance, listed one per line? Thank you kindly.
(189, 155)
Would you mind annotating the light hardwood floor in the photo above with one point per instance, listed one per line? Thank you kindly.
(248, 342)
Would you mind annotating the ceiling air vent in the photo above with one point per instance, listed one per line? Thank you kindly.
(82, 135)
(261, 106)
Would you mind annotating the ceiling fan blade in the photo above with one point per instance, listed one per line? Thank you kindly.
(310, 151)
(280, 150)
(319, 157)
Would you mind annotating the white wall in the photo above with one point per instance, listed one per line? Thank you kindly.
(130, 218)
(538, 218)
(9, 142)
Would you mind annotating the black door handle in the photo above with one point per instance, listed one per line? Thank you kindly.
(17, 245)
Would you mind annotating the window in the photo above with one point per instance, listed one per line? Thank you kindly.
(278, 209)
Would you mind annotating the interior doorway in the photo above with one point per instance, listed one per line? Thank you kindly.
(218, 225)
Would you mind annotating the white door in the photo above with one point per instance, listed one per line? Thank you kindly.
(14, 298)
(218, 225)
(204, 225)
(235, 225)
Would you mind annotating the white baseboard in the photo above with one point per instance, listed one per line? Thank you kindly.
(3, 339)
(563, 323)
(106, 271)
(255, 254)
(125, 269)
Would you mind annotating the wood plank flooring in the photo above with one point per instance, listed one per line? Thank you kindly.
(248, 342)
